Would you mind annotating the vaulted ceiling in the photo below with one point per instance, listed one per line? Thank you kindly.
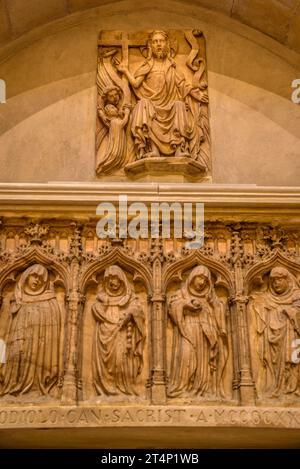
(279, 19)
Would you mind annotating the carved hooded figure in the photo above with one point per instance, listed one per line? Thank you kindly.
(33, 338)
(277, 318)
(199, 351)
(119, 335)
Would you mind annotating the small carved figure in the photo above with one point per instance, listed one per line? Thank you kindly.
(112, 138)
(277, 321)
(200, 341)
(33, 337)
(119, 336)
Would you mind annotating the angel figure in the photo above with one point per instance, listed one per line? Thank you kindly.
(113, 112)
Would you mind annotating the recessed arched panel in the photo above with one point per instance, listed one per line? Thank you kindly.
(115, 333)
(199, 331)
(273, 314)
(32, 326)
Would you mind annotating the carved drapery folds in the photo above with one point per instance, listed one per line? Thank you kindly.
(116, 317)
(200, 338)
(152, 103)
(33, 344)
(274, 313)
(92, 320)
(120, 334)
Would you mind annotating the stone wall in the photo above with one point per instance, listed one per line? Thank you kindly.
(103, 337)
(50, 120)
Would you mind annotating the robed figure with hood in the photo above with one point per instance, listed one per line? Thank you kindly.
(119, 336)
(33, 337)
(200, 340)
(276, 315)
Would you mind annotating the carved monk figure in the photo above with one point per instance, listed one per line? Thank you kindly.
(33, 339)
(119, 336)
(199, 351)
(277, 318)
(163, 121)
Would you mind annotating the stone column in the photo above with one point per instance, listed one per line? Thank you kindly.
(245, 381)
(235, 349)
(158, 329)
(69, 396)
(74, 303)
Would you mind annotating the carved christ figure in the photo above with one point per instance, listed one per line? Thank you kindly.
(200, 342)
(33, 338)
(119, 335)
(277, 318)
(165, 120)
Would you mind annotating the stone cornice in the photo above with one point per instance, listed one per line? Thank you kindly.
(81, 199)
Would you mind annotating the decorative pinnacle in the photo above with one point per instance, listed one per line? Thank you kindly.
(36, 232)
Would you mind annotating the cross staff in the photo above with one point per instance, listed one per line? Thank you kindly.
(124, 43)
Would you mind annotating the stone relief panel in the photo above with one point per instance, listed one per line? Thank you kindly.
(274, 321)
(115, 364)
(31, 326)
(199, 345)
(149, 321)
(152, 108)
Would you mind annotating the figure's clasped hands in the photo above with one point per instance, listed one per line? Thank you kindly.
(103, 116)
(106, 121)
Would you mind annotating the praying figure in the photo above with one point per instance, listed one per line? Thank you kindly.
(111, 138)
(33, 338)
(119, 336)
(200, 339)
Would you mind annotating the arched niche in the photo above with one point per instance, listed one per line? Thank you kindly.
(52, 300)
(211, 378)
(255, 276)
(223, 277)
(274, 325)
(91, 284)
